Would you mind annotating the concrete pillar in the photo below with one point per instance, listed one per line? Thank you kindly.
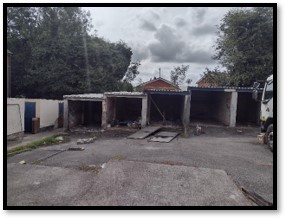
(104, 113)
(144, 111)
(66, 115)
(233, 109)
(186, 111)
(149, 108)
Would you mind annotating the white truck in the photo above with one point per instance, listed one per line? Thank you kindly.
(266, 112)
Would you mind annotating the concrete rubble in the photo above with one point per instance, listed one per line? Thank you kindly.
(86, 140)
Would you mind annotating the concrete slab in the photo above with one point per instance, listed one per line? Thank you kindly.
(129, 183)
(145, 132)
(122, 183)
(164, 137)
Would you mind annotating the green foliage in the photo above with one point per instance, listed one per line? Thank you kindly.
(245, 45)
(178, 74)
(50, 140)
(54, 54)
(132, 71)
(216, 77)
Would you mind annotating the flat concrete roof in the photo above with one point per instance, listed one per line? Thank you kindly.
(85, 97)
(223, 88)
(125, 94)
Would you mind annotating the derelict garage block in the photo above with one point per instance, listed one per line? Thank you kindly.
(83, 109)
(168, 107)
(213, 104)
(119, 107)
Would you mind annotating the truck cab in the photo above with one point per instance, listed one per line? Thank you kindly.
(266, 113)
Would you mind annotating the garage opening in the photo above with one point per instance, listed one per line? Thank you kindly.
(85, 113)
(123, 111)
(170, 106)
(248, 110)
(210, 107)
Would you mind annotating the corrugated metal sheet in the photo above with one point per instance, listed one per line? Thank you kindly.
(176, 92)
(84, 96)
(223, 88)
(124, 93)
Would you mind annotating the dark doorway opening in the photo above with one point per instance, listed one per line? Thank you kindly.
(85, 113)
(210, 107)
(127, 109)
(170, 106)
(248, 110)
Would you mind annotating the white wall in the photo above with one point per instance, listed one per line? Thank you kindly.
(49, 112)
(15, 115)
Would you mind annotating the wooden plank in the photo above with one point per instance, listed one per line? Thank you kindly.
(145, 132)
(164, 137)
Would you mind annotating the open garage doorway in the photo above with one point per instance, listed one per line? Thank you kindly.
(211, 107)
(167, 109)
(85, 113)
(124, 110)
(248, 110)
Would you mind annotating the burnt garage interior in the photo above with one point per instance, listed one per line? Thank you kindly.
(122, 110)
(248, 110)
(85, 113)
(210, 106)
(166, 107)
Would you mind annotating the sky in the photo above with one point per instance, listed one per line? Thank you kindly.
(163, 37)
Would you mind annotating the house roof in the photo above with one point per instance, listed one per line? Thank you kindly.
(157, 79)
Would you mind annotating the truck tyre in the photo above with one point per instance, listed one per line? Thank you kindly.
(269, 137)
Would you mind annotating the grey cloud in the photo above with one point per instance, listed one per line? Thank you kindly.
(139, 54)
(180, 22)
(195, 56)
(204, 30)
(169, 47)
(155, 15)
(198, 13)
(146, 25)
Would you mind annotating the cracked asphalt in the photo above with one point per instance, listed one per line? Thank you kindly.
(222, 158)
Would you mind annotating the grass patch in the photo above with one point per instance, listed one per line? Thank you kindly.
(118, 157)
(91, 168)
(35, 144)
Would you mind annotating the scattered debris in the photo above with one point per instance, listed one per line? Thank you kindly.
(76, 149)
(198, 130)
(261, 138)
(92, 168)
(164, 137)
(239, 131)
(22, 162)
(86, 140)
(256, 198)
(103, 165)
(60, 138)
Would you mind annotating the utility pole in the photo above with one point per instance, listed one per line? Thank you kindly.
(159, 72)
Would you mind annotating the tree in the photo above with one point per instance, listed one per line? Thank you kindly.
(178, 74)
(216, 77)
(132, 71)
(54, 53)
(245, 45)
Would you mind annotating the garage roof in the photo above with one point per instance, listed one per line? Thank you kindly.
(84, 96)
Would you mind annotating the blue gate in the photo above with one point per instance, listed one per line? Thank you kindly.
(30, 113)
